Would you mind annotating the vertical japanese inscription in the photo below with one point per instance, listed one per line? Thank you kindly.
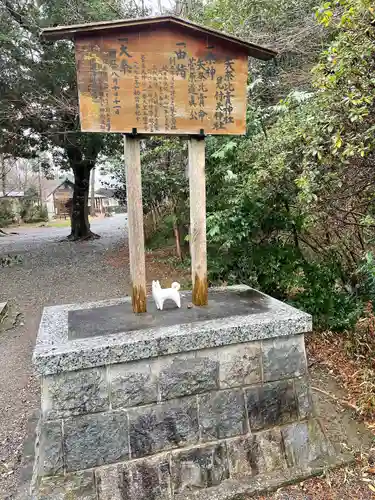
(150, 100)
(95, 67)
(224, 95)
(210, 63)
(172, 93)
(202, 88)
(155, 97)
(105, 114)
(165, 93)
(181, 56)
(125, 65)
(115, 78)
(144, 92)
(97, 86)
(200, 70)
(219, 111)
(137, 92)
(192, 88)
(228, 90)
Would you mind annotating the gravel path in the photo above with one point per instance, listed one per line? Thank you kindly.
(51, 272)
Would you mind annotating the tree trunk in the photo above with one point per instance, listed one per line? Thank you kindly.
(92, 205)
(3, 175)
(177, 240)
(80, 226)
(40, 187)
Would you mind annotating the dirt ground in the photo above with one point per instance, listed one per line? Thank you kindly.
(55, 273)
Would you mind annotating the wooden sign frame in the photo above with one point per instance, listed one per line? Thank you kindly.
(162, 81)
(161, 76)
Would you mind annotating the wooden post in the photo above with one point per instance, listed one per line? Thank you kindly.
(135, 222)
(198, 244)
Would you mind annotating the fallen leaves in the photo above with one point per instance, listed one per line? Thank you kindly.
(330, 350)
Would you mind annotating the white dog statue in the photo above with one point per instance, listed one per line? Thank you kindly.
(160, 294)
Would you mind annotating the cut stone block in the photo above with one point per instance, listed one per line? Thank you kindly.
(239, 365)
(75, 393)
(305, 443)
(284, 358)
(140, 480)
(96, 439)
(257, 454)
(75, 486)
(198, 468)
(132, 384)
(253, 487)
(222, 414)
(147, 479)
(304, 398)
(187, 375)
(110, 482)
(163, 427)
(271, 404)
(49, 447)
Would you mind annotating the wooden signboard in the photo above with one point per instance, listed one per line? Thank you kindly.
(162, 76)
(161, 81)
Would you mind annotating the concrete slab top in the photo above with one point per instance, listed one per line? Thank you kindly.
(77, 336)
(107, 320)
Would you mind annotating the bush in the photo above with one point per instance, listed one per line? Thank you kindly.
(7, 215)
(319, 288)
(333, 305)
(162, 236)
(34, 213)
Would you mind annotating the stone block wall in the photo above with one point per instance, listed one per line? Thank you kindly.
(161, 427)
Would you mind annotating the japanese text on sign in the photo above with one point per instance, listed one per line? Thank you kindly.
(191, 85)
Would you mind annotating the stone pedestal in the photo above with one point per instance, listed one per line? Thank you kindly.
(176, 404)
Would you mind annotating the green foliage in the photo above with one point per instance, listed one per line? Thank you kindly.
(290, 207)
(164, 188)
(287, 26)
(163, 237)
(366, 272)
(34, 213)
(332, 306)
(6, 213)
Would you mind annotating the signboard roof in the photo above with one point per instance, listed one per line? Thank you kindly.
(73, 31)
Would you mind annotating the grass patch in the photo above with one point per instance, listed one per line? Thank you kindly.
(58, 223)
(51, 223)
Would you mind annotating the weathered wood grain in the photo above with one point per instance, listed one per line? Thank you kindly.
(135, 223)
(198, 246)
(161, 81)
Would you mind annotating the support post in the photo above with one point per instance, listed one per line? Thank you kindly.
(198, 244)
(135, 222)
